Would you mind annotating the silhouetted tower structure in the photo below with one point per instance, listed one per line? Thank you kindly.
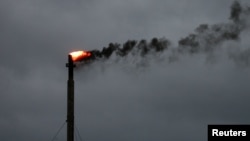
(70, 100)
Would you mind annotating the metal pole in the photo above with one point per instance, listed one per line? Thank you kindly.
(70, 100)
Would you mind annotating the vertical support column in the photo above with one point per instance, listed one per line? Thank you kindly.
(70, 100)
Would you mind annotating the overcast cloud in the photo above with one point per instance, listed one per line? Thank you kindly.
(120, 99)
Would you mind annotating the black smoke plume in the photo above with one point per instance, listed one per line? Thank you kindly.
(205, 38)
(142, 48)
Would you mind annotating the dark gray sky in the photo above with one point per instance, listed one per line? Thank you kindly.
(116, 101)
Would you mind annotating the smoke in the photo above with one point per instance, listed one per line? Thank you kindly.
(207, 39)
(132, 46)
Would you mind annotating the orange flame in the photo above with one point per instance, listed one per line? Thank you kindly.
(79, 55)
